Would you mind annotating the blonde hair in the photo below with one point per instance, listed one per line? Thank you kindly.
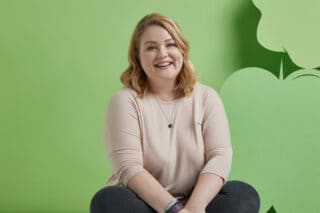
(135, 78)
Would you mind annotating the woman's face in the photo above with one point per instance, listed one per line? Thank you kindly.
(159, 55)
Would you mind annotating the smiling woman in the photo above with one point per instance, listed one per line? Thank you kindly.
(159, 39)
(160, 57)
(167, 135)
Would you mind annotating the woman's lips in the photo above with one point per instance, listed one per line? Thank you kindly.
(163, 65)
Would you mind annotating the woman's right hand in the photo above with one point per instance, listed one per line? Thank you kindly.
(184, 211)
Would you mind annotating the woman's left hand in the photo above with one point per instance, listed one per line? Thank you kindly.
(195, 210)
(183, 211)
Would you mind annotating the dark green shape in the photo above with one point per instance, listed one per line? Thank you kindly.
(249, 52)
(272, 210)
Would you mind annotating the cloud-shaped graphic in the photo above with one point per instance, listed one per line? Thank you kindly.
(274, 123)
(292, 27)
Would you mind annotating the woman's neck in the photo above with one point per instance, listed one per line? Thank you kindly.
(164, 92)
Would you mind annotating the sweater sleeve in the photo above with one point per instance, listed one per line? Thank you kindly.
(216, 134)
(123, 138)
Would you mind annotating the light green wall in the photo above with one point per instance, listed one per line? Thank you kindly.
(60, 62)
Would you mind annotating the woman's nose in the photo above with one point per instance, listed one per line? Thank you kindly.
(162, 53)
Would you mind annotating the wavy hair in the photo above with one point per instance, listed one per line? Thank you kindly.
(135, 78)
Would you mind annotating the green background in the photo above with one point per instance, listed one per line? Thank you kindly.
(60, 62)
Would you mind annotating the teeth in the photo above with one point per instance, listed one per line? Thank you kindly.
(162, 64)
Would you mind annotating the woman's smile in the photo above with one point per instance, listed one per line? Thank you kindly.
(163, 65)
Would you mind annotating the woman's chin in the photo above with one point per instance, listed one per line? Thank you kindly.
(168, 74)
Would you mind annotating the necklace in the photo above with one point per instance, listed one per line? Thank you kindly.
(170, 122)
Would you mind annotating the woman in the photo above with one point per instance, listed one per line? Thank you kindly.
(167, 135)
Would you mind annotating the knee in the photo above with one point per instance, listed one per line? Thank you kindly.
(245, 195)
(104, 198)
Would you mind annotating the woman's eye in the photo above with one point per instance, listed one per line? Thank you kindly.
(171, 45)
(151, 48)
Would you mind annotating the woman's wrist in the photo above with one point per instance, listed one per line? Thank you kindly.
(174, 206)
(194, 208)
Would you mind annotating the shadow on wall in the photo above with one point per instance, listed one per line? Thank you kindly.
(272, 210)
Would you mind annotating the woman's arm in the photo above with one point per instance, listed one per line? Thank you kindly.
(150, 190)
(124, 145)
(207, 187)
(218, 154)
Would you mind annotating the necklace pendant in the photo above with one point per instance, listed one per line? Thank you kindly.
(170, 125)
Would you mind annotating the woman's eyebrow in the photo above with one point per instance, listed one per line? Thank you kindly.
(147, 42)
(154, 42)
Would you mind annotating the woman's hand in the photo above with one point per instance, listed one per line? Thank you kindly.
(184, 211)
(193, 210)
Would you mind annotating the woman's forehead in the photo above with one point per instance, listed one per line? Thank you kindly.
(154, 34)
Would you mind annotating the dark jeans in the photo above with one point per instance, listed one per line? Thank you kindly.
(234, 197)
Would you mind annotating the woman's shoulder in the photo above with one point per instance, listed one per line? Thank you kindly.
(209, 98)
(204, 90)
(124, 95)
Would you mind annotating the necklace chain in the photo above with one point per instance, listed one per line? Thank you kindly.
(170, 122)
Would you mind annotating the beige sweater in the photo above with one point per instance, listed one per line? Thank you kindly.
(137, 138)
